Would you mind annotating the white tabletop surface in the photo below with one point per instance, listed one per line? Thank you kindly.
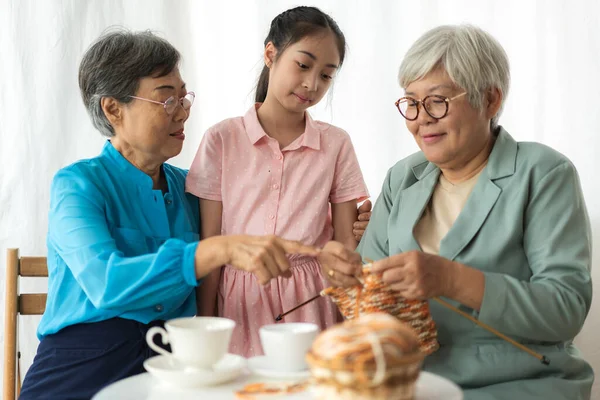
(144, 386)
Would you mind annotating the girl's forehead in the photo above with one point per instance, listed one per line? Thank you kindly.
(322, 46)
(317, 39)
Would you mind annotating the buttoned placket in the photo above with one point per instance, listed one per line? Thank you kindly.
(275, 178)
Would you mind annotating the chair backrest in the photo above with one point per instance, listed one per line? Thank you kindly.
(16, 303)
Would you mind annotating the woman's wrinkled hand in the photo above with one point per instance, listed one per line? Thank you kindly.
(340, 265)
(264, 256)
(417, 275)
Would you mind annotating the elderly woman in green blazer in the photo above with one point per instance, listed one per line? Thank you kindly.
(497, 227)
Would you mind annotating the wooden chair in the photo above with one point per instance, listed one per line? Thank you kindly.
(15, 304)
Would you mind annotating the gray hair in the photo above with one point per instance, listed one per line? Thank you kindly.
(114, 65)
(473, 59)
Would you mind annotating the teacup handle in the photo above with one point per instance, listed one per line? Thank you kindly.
(164, 336)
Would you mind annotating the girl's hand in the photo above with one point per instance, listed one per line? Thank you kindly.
(340, 265)
(364, 216)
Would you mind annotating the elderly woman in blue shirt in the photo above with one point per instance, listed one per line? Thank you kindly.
(123, 250)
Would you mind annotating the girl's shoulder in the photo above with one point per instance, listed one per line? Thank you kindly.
(326, 127)
(331, 134)
(229, 126)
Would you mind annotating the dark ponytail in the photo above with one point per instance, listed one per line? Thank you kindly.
(262, 86)
(290, 27)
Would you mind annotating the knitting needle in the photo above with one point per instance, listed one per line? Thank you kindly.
(540, 357)
(543, 359)
(485, 326)
(280, 316)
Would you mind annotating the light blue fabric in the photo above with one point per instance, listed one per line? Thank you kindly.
(118, 248)
(526, 227)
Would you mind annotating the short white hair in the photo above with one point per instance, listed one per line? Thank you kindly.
(473, 59)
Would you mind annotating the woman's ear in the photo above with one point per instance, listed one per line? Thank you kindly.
(112, 110)
(493, 101)
(270, 54)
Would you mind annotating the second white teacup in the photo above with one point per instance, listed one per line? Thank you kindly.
(196, 341)
(286, 345)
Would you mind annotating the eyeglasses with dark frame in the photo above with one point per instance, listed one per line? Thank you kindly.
(435, 106)
(171, 104)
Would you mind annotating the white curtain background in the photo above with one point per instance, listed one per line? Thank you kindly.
(553, 46)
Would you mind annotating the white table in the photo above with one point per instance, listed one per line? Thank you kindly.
(144, 386)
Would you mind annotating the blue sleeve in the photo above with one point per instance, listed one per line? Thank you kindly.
(79, 231)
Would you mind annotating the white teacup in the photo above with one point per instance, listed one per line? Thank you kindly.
(196, 341)
(286, 345)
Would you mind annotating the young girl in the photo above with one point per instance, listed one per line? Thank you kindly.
(277, 171)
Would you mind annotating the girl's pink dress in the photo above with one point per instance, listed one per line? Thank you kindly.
(286, 192)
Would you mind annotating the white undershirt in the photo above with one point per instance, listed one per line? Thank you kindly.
(443, 208)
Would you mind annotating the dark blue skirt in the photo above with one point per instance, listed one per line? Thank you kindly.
(79, 360)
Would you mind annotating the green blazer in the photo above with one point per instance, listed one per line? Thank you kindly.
(525, 226)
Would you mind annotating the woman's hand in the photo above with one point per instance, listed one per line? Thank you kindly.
(340, 265)
(418, 275)
(264, 256)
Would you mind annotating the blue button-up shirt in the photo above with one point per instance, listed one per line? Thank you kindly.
(118, 248)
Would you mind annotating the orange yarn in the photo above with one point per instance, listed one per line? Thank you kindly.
(375, 296)
(373, 356)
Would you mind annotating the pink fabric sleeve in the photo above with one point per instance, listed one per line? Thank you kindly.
(348, 181)
(204, 177)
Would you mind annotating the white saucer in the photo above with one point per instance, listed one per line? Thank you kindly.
(167, 369)
(260, 366)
